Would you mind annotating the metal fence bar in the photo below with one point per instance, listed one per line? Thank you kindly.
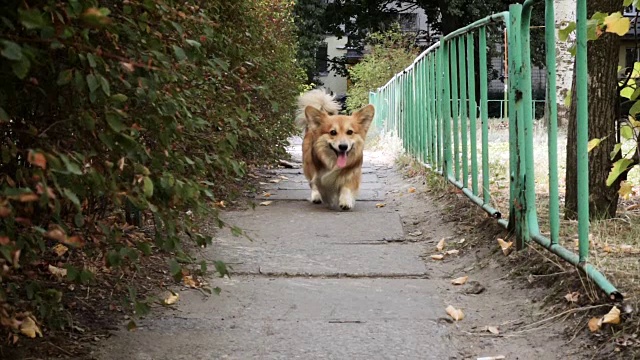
(473, 115)
(463, 110)
(455, 105)
(484, 113)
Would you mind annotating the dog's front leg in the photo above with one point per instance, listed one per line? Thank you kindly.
(347, 199)
(316, 198)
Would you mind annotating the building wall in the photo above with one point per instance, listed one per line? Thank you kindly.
(333, 82)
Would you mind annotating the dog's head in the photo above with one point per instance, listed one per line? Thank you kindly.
(340, 137)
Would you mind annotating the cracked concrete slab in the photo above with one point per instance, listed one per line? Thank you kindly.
(298, 318)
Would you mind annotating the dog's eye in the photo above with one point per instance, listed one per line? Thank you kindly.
(349, 132)
(333, 133)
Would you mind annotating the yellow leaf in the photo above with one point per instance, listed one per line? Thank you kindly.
(437, 257)
(593, 143)
(60, 249)
(626, 190)
(506, 246)
(266, 194)
(412, 189)
(171, 299)
(29, 327)
(460, 281)
(440, 245)
(266, 203)
(456, 314)
(37, 159)
(613, 317)
(617, 24)
(380, 205)
(594, 324)
(189, 281)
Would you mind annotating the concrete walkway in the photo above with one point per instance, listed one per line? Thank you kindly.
(313, 284)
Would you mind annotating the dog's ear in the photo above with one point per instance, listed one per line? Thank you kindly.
(364, 116)
(314, 117)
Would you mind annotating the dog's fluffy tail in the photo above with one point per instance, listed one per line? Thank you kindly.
(320, 100)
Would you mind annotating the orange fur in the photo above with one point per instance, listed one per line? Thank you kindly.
(327, 136)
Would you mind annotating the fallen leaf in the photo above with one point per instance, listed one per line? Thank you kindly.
(492, 329)
(266, 203)
(56, 234)
(37, 159)
(626, 190)
(572, 297)
(58, 272)
(75, 241)
(121, 164)
(437, 257)
(507, 247)
(456, 314)
(188, 281)
(29, 197)
(29, 327)
(380, 205)
(453, 252)
(415, 233)
(440, 245)
(171, 299)
(284, 177)
(594, 324)
(275, 181)
(60, 249)
(4, 212)
(461, 241)
(221, 204)
(132, 326)
(266, 194)
(460, 281)
(612, 317)
(412, 189)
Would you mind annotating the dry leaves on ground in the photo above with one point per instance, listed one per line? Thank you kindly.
(460, 281)
(171, 299)
(506, 247)
(440, 245)
(612, 317)
(266, 203)
(456, 314)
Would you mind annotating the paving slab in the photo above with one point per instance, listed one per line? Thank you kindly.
(303, 195)
(296, 184)
(263, 318)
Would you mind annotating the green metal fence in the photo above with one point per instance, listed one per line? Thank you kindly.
(431, 106)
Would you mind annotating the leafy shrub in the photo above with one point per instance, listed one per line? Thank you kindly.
(145, 105)
(389, 53)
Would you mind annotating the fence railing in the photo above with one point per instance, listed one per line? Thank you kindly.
(432, 107)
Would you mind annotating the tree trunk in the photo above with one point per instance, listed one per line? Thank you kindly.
(565, 12)
(603, 103)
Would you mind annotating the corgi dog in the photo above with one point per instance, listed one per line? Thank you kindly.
(332, 149)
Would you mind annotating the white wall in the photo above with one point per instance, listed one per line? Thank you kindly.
(333, 82)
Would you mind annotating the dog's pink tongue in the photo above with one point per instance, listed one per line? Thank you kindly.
(342, 160)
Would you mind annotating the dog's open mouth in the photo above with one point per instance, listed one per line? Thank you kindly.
(342, 158)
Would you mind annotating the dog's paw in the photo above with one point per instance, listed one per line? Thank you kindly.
(316, 198)
(346, 201)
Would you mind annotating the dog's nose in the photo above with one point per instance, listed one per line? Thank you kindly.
(343, 147)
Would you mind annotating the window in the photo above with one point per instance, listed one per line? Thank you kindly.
(322, 59)
(631, 56)
(408, 21)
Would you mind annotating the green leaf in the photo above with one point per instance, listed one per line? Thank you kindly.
(64, 77)
(626, 132)
(567, 99)
(145, 248)
(11, 50)
(104, 84)
(92, 82)
(175, 269)
(71, 196)
(627, 2)
(148, 187)
(32, 19)
(635, 109)
(221, 268)
(193, 43)
(91, 59)
(217, 290)
(618, 168)
(4, 117)
(72, 167)
(119, 98)
(142, 308)
(78, 219)
(21, 67)
(179, 53)
(616, 150)
(563, 34)
(114, 122)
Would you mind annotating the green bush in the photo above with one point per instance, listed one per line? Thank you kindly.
(389, 53)
(150, 105)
